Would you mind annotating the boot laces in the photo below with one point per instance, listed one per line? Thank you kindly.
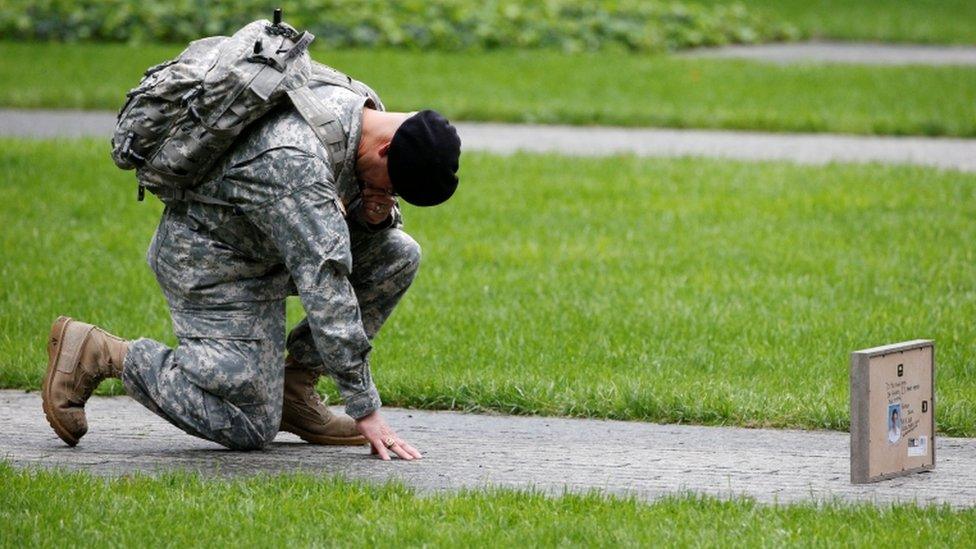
(85, 386)
(311, 394)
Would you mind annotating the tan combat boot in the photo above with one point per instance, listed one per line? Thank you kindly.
(305, 414)
(80, 356)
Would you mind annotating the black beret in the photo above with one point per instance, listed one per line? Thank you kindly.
(423, 159)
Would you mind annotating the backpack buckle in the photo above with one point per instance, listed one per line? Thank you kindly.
(127, 152)
(269, 61)
(190, 95)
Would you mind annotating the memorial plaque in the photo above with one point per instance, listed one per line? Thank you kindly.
(892, 411)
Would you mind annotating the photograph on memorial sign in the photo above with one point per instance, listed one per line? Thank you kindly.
(894, 423)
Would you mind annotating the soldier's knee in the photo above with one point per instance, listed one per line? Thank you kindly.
(245, 378)
(268, 427)
(243, 445)
(257, 441)
(251, 430)
(407, 251)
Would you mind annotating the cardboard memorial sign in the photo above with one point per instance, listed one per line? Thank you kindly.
(892, 411)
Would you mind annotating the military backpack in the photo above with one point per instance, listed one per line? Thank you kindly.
(187, 112)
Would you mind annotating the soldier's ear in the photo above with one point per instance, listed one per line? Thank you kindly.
(384, 150)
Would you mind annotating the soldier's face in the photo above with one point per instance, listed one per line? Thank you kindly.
(373, 171)
(384, 186)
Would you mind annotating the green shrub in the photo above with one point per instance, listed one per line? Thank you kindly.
(568, 25)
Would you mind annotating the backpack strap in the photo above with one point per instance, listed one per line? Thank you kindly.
(324, 122)
(324, 74)
(186, 195)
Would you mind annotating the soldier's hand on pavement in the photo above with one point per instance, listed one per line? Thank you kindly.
(383, 439)
(377, 204)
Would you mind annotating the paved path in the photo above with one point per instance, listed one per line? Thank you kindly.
(466, 451)
(846, 52)
(957, 154)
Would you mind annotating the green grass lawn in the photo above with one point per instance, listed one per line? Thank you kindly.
(653, 289)
(927, 21)
(533, 86)
(55, 509)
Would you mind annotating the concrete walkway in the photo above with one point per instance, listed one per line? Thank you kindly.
(846, 52)
(955, 154)
(468, 451)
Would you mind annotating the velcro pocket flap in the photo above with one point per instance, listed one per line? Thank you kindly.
(215, 324)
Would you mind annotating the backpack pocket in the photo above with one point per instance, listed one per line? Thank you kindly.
(186, 113)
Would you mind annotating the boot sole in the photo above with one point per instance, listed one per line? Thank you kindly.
(54, 341)
(324, 440)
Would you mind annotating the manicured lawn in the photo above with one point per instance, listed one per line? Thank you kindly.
(549, 87)
(50, 508)
(663, 290)
(930, 21)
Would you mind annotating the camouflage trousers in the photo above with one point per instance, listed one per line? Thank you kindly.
(224, 381)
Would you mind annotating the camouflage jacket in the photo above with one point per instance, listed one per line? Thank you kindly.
(288, 235)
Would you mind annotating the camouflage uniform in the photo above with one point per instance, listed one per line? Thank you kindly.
(226, 272)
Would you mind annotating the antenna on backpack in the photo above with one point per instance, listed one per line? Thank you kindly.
(277, 16)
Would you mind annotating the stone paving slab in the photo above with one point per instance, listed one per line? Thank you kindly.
(470, 451)
(817, 149)
(845, 52)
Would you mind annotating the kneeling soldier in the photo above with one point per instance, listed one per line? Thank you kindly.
(327, 231)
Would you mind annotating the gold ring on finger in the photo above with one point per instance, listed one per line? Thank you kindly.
(389, 442)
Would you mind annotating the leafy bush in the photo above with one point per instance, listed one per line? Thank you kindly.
(568, 25)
